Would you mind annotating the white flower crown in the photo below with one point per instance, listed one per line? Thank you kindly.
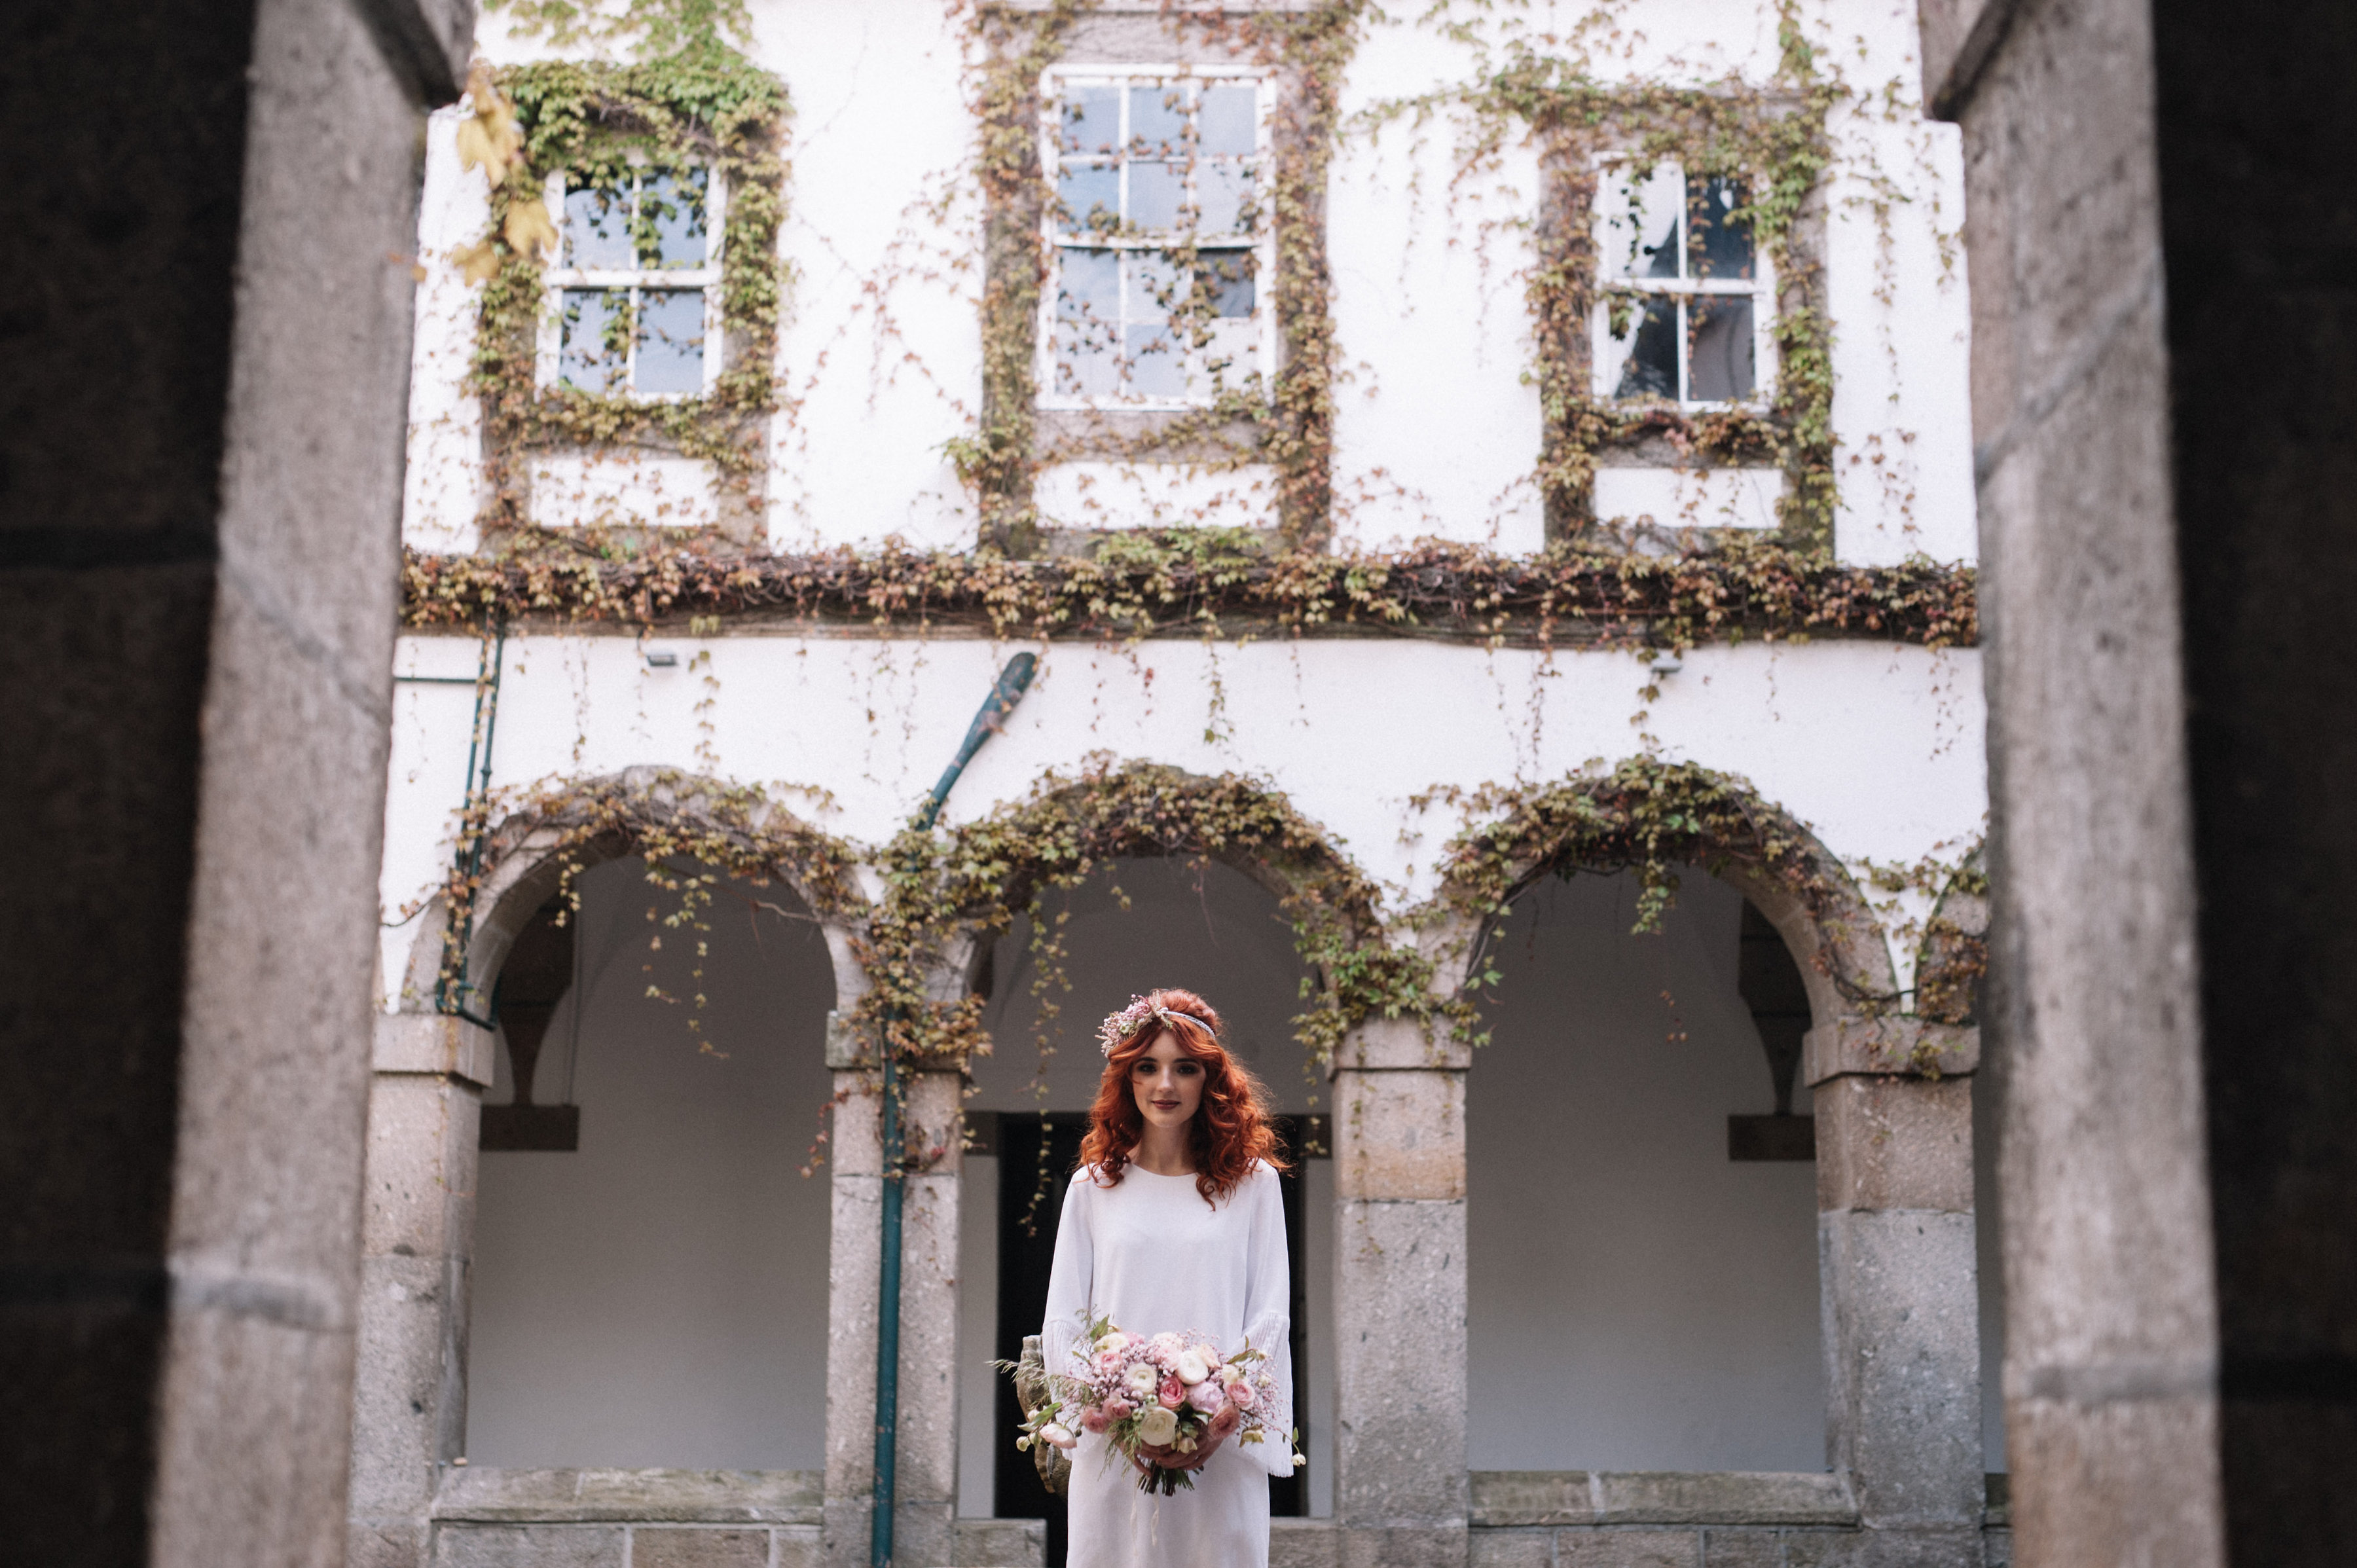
(1119, 1027)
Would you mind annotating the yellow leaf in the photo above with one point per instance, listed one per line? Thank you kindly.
(488, 138)
(479, 260)
(528, 227)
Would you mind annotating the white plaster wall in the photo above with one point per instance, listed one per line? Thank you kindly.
(1877, 747)
(658, 1297)
(1436, 430)
(1636, 1301)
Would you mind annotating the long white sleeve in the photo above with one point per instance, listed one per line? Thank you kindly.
(1268, 1318)
(1071, 1280)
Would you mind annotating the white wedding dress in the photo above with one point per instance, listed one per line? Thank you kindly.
(1150, 1254)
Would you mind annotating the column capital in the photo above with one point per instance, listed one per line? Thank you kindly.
(1901, 1044)
(1410, 1045)
(434, 1043)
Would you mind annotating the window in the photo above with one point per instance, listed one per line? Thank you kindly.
(1159, 242)
(636, 289)
(1684, 297)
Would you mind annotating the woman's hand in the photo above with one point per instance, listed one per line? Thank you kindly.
(1148, 1459)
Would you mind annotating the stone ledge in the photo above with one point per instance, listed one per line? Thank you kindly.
(1402, 1044)
(1001, 1542)
(433, 1043)
(1886, 1045)
(1303, 1543)
(1524, 1497)
(491, 1496)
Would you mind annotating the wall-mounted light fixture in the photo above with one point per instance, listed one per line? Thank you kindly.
(659, 659)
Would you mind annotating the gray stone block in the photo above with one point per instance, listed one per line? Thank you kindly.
(1903, 1387)
(1005, 1544)
(483, 1494)
(798, 1546)
(1739, 1548)
(1883, 1548)
(400, 1543)
(1506, 1498)
(1402, 1546)
(1897, 1043)
(1508, 1549)
(529, 1546)
(433, 1043)
(1402, 1043)
(1399, 1440)
(1722, 1498)
(1399, 1135)
(1895, 1143)
(1303, 1543)
(691, 1546)
(1610, 1547)
(1997, 1549)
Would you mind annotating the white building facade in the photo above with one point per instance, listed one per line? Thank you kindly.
(1456, 473)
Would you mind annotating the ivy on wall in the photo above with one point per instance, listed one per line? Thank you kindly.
(1219, 583)
(599, 122)
(1287, 425)
(1773, 140)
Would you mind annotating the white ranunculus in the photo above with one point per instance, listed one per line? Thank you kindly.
(1059, 1436)
(1192, 1367)
(1113, 1339)
(1158, 1426)
(1143, 1381)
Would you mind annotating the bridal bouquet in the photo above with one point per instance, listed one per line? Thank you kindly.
(1161, 1391)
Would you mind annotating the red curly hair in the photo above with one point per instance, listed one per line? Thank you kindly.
(1231, 1128)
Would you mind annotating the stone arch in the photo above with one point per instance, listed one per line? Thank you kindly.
(564, 828)
(1657, 818)
(1114, 810)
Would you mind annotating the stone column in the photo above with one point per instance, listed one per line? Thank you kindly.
(1898, 1279)
(925, 1515)
(1400, 1492)
(417, 1236)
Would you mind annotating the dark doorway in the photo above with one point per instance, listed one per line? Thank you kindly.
(1027, 1249)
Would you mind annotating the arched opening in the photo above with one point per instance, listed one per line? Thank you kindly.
(1642, 1220)
(1134, 924)
(649, 1280)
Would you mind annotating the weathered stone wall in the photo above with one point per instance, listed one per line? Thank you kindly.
(208, 315)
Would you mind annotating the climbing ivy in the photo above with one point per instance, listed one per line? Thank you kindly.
(1222, 583)
(1773, 141)
(601, 121)
(982, 876)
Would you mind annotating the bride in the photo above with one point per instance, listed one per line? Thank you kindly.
(1173, 1222)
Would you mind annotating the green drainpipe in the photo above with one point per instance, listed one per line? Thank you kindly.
(1013, 682)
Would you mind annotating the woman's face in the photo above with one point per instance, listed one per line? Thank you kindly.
(1167, 1082)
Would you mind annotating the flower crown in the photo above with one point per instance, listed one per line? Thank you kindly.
(1121, 1025)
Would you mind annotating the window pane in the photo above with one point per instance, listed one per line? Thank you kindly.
(1719, 366)
(1648, 351)
(671, 340)
(1224, 192)
(1090, 194)
(597, 228)
(1154, 351)
(1226, 278)
(1158, 119)
(1087, 324)
(590, 320)
(1156, 361)
(1091, 120)
(671, 218)
(1155, 192)
(1641, 227)
(1716, 248)
(1227, 123)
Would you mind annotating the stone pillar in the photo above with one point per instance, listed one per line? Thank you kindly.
(417, 1233)
(1898, 1279)
(924, 1516)
(1400, 1494)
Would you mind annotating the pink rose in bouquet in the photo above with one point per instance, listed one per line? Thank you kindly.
(1162, 1392)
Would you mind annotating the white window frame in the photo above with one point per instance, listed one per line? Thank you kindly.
(549, 357)
(1262, 248)
(1760, 287)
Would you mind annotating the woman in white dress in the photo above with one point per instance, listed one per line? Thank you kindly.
(1174, 1222)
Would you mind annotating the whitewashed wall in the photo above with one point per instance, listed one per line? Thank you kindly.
(658, 1297)
(1435, 431)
